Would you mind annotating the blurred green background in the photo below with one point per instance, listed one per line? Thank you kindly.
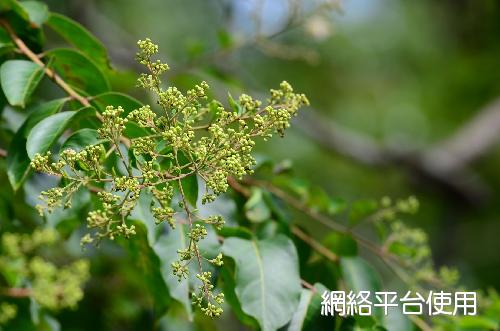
(402, 99)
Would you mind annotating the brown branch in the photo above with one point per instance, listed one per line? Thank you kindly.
(314, 244)
(16, 292)
(49, 72)
(3, 152)
(318, 247)
(420, 323)
(308, 285)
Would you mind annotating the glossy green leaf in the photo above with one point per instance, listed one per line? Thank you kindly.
(116, 99)
(359, 275)
(46, 132)
(233, 104)
(190, 188)
(19, 78)
(396, 320)
(227, 276)
(146, 260)
(82, 138)
(361, 209)
(79, 71)
(18, 162)
(78, 36)
(21, 22)
(38, 12)
(320, 200)
(236, 231)
(6, 44)
(267, 278)
(133, 130)
(142, 213)
(478, 323)
(309, 310)
(166, 248)
(341, 244)
(256, 209)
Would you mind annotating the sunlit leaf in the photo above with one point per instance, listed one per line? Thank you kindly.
(18, 161)
(47, 131)
(78, 36)
(267, 279)
(341, 244)
(256, 209)
(82, 138)
(79, 71)
(19, 78)
(309, 310)
(38, 12)
(166, 248)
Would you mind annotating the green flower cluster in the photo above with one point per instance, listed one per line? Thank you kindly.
(51, 286)
(187, 135)
(7, 312)
(57, 288)
(411, 245)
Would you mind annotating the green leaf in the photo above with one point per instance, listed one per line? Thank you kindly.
(396, 320)
(321, 201)
(166, 248)
(233, 104)
(22, 24)
(78, 71)
(361, 209)
(478, 322)
(267, 278)
(46, 132)
(228, 287)
(6, 44)
(116, 99)
(236, 231)
(190, 188)
(341, 244)
(146, 260)
(82, 138)
(359, 275)
(75, 34)
(142, 213)
(256, 209)
(133, 130)
(18, 162)
(309, 310)
(38, 12)
(19, 78)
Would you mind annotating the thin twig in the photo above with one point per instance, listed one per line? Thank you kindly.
(16, 292)
(314, 244)
(308, 285)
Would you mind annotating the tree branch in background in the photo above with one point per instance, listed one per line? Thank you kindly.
(442, 165)
(470, 142)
